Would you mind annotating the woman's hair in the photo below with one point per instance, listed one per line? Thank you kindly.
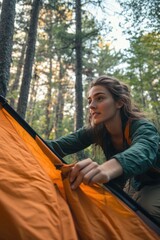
(119, 91)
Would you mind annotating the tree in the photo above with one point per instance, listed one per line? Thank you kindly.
(60, 104)
(142, 13)
(14, 87)
(19, 49)
(143, 71)
(81, 36)
(78, 84)
(53, 56)
(30, 52)
(6, 42)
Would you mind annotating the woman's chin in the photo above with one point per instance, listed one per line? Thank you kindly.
(95, 122)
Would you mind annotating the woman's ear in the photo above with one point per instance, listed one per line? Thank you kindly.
(119, 104)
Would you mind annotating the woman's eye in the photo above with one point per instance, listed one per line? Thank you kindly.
(99, 98)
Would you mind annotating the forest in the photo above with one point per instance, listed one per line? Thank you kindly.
(50, 50)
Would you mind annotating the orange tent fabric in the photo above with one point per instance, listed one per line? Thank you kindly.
(37, 201)
(31, 206)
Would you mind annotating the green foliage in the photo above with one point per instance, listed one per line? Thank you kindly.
(55, 62)
(143, 73)
(143, 14)
(92, 152)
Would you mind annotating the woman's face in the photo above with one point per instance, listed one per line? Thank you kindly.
(103, 108)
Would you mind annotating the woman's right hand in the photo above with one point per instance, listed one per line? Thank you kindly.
(88, 172)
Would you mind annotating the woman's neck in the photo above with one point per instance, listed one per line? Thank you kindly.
(114, 127)
(116, 133)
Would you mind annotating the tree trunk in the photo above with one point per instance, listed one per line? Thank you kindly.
(30, 53)
(49, 121)
(155, 105)
(142, 88)
(60, 105)
(16, 83)
(49, 125)
(32, 101)
(78, 84)
(6, 42)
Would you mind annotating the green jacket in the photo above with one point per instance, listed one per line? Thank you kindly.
(140, 159)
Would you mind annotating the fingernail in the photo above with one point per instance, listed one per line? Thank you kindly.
(71, 180)
(72, 187)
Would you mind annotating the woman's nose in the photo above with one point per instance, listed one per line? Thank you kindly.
(92, 105)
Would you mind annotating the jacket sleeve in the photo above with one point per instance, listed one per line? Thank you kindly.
(141, 155)
(72, 143)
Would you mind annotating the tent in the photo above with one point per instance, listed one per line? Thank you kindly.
(37, 203)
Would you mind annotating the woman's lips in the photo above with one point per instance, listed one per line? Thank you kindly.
(95, 114)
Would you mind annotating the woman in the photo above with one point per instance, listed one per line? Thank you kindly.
(129, 141)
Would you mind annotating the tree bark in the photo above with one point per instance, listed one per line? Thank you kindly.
(49, 124)
(60, 104)
(156, 105)
(32, 101)
(78, 84)
(6, 42)
(16, 83)
(30, 53)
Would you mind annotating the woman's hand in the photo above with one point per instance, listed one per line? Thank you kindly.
(88, 172)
